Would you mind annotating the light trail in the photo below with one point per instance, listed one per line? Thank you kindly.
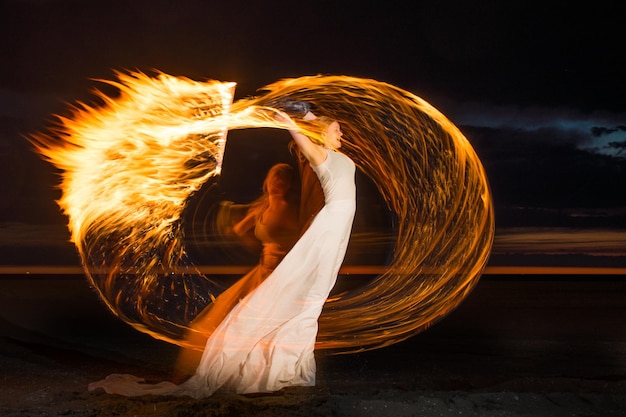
(129, 167)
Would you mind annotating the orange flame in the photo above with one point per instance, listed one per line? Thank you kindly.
(129, 167)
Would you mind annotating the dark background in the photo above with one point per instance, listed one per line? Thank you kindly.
(537, 88)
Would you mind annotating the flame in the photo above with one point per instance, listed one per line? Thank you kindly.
(130, 165)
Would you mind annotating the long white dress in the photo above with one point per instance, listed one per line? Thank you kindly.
(267, 341)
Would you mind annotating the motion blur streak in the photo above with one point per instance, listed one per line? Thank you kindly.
(129, 166)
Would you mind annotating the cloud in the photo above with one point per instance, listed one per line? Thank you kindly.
(598, 132)
(612, 140)
(530, 117)
(601, 131)
(547, 167)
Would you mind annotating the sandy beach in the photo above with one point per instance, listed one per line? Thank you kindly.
(517, 346)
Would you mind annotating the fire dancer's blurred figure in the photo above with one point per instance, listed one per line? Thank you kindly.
(267, 341)
(272, 222)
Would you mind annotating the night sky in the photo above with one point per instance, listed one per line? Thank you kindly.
(538, 89)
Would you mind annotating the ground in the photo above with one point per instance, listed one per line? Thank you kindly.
(515, 347)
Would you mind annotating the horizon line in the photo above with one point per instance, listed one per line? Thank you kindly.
(345, 270)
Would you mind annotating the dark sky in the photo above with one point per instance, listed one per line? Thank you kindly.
(502, 54)
(538, 88)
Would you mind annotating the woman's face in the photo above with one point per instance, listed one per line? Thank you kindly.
(333, 136)
(277, 184)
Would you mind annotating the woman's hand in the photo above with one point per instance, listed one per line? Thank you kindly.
(314, 153)
(282, 117)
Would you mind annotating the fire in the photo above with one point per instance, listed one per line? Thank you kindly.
(130, 165)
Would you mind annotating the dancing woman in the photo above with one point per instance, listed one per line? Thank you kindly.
(272, 222)
(267, 341)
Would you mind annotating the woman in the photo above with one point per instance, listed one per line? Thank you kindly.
(272, 221)
(273, 218)
(267, 341)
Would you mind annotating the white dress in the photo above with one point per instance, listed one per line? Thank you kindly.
(267, 341)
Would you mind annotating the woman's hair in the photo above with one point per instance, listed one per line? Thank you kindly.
(281, 172)
(284, 173)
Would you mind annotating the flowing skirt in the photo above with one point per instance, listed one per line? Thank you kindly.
(267, 341)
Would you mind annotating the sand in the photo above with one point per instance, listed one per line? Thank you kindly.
(515, 347)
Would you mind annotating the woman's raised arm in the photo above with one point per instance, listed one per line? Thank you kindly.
(314, 153)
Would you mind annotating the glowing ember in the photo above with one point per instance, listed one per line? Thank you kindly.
(130, 166)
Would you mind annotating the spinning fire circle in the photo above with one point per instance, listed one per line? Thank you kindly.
(130, 165)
